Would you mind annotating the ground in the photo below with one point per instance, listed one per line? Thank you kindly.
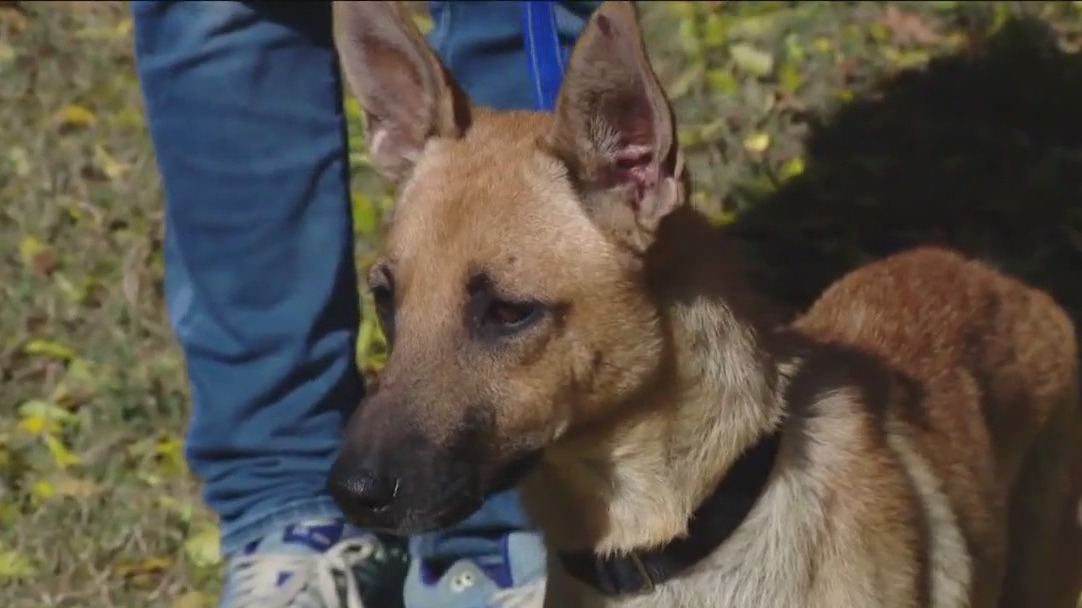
(823, 133)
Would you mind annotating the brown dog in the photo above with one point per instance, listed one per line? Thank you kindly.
(561, 317)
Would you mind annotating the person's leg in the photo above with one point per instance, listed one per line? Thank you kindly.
(244, 108)
(506, 55)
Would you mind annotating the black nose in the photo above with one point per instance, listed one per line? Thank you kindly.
(360, 490)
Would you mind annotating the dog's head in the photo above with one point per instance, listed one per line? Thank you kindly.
(511, 287)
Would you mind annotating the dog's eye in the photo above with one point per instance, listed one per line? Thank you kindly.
(495, 317)
(502, 318)
(510, 315)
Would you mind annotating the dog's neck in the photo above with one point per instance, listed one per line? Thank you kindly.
(635, 484)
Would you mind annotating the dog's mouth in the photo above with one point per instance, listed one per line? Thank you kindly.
(457, 502)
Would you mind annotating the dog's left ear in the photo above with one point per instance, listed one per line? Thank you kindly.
(615, 129)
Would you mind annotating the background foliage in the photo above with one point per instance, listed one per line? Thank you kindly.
(824, 133)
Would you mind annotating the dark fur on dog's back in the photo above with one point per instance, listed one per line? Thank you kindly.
(985, 383)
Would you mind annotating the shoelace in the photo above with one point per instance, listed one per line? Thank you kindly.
(322, 580)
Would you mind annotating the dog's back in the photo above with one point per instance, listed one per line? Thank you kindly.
(986, 418)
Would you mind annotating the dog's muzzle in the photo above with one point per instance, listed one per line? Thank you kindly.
(423, 499)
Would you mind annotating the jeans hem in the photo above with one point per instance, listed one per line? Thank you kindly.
(234, 536)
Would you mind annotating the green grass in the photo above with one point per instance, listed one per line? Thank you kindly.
(826, 133)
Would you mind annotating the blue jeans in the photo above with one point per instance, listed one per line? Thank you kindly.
(244, 106)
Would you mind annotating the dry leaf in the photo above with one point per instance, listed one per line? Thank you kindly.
(907, 26)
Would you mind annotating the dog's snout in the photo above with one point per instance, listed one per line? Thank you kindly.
(362, 490)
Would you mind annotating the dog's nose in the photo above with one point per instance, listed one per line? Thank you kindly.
(362, 490)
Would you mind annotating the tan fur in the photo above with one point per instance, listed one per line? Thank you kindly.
(929, 410)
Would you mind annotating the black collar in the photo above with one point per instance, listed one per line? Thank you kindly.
(711, 524)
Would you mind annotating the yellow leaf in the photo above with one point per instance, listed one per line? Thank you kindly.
(7, 53)
(757, 142)
(723, 219)
(130, 117)
(42, 490)
(423, 21)
(722, 82)
(111, 167)
(14, 565)
(203, 549)
(29, 248)
(144, 572)
(74, 115)
(62, 456)
(193, 599)
(171, 451)
(365, 214)
(752, 60)
(150, 564)
(37, 408)
(792, 168)
(352, 109)
(37, 424)
(124, 27)
(714, 30)
(47, 348)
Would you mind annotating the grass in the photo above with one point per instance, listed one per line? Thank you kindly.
(825, 133)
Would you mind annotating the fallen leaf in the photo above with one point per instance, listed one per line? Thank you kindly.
(14, 565)
(109, 166)
(46, 409)
(723, 219)
(790, 78)
(202, 548)
(62, 456)
(36, 425)
(41, 491)
(352, 109)
(792, 168)
(145, 572)
(906, 59)
(907, 26)
(752, 60)
(193, 599)
(720, 81)
(20, 161)
(74, 115)
(757, 142)
(365, 214)
(50, 349)
(170, 451)
(714, 31)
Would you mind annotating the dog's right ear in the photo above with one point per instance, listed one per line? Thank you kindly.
(405, 93)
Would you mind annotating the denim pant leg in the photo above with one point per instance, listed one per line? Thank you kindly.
(244, 109)
(507, 55)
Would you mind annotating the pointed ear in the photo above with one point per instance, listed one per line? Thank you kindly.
(405, 93)
(615, 128)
